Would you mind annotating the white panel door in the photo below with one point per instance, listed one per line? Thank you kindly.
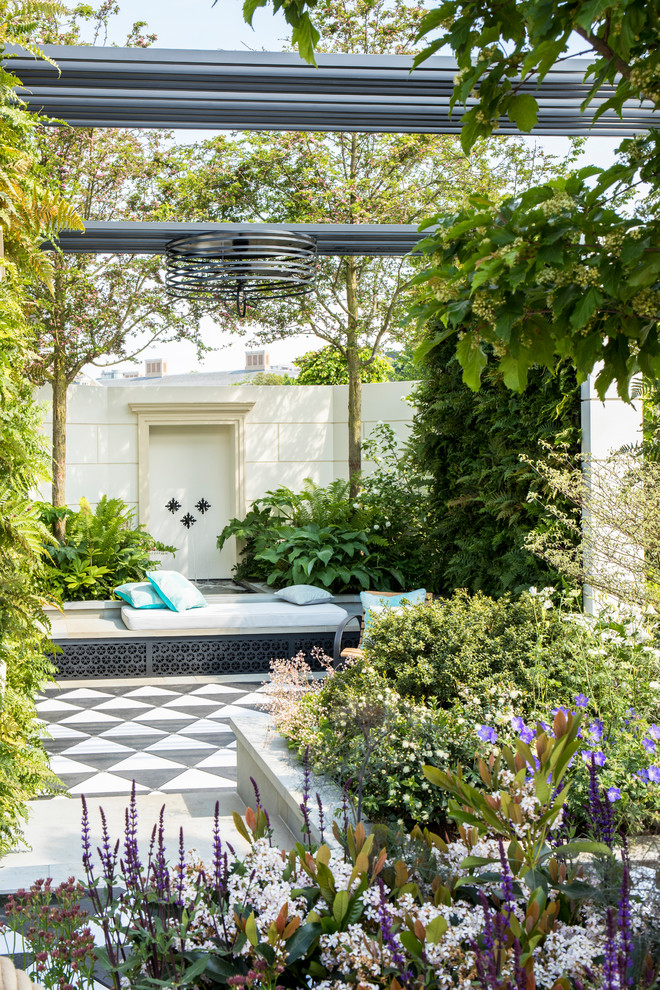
(188, 467)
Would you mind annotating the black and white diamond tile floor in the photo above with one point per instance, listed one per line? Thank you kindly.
(173, 738)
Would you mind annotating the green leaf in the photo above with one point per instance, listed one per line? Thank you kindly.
(523, 111)
(472, 359)
(304, 36)
(340, 906)
(302, 940)
(514, 372)
(195, 970)
(251, 930)
(411, 943)
(435, 929)
(585, 307)
(249, 8)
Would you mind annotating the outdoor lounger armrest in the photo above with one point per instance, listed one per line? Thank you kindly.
(339, 635)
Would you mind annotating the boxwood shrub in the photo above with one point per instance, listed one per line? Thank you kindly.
(431, 650)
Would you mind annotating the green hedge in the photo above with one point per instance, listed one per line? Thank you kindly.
(470, 444)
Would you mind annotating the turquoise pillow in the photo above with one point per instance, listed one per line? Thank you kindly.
(140, 594)
(375, 603)
(176, 590)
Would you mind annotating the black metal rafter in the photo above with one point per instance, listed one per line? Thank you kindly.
(134, 87)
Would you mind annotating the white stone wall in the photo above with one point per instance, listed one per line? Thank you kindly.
(292, 432)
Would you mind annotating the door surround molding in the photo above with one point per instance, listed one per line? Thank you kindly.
(174, 413)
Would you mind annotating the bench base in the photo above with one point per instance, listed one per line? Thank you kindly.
(162, 656)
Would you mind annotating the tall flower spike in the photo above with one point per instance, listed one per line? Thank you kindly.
(107, 854)
(319, 802)
(507, 880)
(609, 958)
(387, 935)
(624, 956)
(181, 871)
(161, 873)
(218, 877)
(86, 843)
(133, 866)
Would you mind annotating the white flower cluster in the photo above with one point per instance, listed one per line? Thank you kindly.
(258, 882)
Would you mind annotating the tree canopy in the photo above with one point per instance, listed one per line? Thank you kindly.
(104, 308)
(361, 303)
(570, 269)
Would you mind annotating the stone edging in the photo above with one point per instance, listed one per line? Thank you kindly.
(263, 754)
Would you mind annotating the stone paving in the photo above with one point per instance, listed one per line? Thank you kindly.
(170, 735)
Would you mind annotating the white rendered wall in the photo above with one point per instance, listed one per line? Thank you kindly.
(607, 426)
(291, 433)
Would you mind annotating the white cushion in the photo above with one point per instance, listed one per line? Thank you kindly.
(238, 617)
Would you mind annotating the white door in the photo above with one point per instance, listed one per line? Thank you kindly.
(191, 496)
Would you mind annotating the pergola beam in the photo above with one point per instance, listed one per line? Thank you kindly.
(136, 237)
(275, 91)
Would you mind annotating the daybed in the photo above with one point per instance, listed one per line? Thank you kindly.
(239, 634)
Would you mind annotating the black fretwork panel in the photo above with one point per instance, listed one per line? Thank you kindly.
(162, 656)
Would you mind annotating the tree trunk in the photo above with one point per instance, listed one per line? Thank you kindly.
(60, 386)
(354, 380)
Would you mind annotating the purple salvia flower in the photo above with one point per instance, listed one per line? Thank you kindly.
(161, 873)
(609, 960)
(86, 843)
(387, 935)
(181, 871)
(519, 972)
(107, 854)
(507, 881)
(218, 875)
(485, 954)
(624, 956)
(321, 819)
(255, 788)
(133, 866)
(260, 807)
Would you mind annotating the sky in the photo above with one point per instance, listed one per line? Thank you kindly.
(197, 24)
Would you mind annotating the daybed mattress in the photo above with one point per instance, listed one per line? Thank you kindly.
(237, 618)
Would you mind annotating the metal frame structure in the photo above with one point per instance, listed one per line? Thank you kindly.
(332, 239)
(275, 91)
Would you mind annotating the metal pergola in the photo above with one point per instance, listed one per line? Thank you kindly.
(136, 237)
(275, 91)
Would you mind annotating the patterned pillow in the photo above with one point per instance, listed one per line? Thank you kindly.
(375, 604)
(176, 590)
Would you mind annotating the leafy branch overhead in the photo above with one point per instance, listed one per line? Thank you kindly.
(570, 270)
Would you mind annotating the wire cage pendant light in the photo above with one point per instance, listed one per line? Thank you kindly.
(268, 264)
